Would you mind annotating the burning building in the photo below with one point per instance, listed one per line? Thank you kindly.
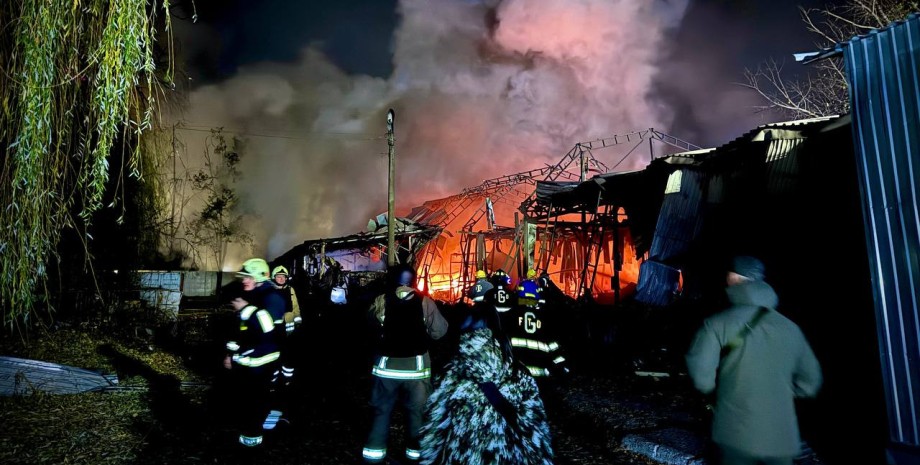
(510, 223)
(506, 223)
(359, 258)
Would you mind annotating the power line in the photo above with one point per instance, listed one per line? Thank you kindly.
(320, 135)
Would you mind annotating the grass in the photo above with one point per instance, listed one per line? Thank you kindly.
(87, 428)
(93, 428)
(94, 351)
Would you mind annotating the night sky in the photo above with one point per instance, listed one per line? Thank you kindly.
(356, 34)
(716, 41)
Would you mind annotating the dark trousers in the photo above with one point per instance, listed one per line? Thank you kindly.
(386, 393)
(292, 356)
(292, 348)
(252, 388)
(735, 457)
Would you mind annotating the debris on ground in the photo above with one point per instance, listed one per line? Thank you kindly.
(102, 353)
(163, 423)
(20, 376)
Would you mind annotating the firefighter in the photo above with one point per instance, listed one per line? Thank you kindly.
(532, 333)
(291, 346)
(505, 297)
(281, 280)
(530, 291)
(480, 288)
(549, 291)
(290, 319)
(407, 321)
(254, 353)
(500, 277)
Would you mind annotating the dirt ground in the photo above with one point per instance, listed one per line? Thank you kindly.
(153, 419)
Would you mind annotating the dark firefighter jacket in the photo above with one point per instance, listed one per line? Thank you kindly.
(533, 339)
(257, 340)
(407, 320)
(757, 382)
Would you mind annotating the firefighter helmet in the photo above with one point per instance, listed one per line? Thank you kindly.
(481, 274)
(280, 270)
(500, 277)
(255, 268)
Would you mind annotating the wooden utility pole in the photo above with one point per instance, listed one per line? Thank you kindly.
(391, 198)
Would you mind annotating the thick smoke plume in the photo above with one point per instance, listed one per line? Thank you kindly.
(480, 89)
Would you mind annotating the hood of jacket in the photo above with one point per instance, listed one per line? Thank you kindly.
(405, 293)
(480, 357)
(752, 294)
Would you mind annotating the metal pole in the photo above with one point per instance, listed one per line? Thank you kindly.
(544, 244)
(601, 244)
(322, 260)
(391, 196)
(617, 259)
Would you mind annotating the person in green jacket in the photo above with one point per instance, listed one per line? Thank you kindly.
(756, 362)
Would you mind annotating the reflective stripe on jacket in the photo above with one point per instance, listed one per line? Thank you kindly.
(534, 345)
(256, 343)
(247, 361)
(418, 367)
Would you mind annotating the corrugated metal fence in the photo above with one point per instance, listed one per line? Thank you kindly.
(884, 72)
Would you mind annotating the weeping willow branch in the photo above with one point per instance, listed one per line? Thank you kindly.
(125, 56)
(78, 76)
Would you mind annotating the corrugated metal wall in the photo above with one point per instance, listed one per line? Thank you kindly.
(884, 73)
(680, 217)
(679, 223)
(783, 171)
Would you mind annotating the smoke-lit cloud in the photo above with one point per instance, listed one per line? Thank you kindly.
(480, 89)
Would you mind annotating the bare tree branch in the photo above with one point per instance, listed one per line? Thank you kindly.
(822, 90)
(865, 27)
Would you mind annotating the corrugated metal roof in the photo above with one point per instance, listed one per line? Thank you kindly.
(799, 122)
(687, 158)
(783, 129)
(761, 133)
(364, 240)
(691, 153)
(883, 68)
(823, 54)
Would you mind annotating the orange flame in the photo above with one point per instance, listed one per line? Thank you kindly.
(564, 262)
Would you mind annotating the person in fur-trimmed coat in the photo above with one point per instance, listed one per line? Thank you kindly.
(487, 409)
